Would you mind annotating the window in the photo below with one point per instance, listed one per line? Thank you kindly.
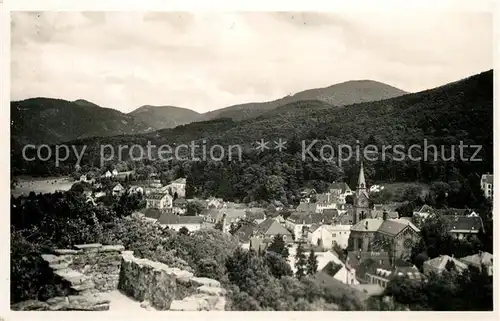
(334, 235)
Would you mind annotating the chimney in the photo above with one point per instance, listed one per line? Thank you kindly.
(384, 215)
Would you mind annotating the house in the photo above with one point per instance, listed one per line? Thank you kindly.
(442, 263)
(395, 236)
(123, 175)
(215, 202)
(463, 225)
(376, 188)
(114, 172)
(178, 187)
(319, 235)
(341, 272)
(328, 263)
(118, 189)
(379, 267)
(382, 276)
(135, 189)
(487, 185)
(269, 229)
(424, 212)
(326, 236)
(99, 194)
(156, 183)
(107, 174)
(159, 200)
(340, 190)
(176, 222)
(306, 194)
(179, 206)
(326, 201)
(379, 213)
(232, 215)
(479, 260)
(300, 222)
(340, 234)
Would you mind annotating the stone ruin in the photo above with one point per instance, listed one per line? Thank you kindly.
(89, 272)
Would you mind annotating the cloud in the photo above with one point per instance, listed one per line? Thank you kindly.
(206, 61)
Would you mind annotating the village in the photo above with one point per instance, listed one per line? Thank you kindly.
(360, 244)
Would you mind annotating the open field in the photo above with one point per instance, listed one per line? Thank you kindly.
(42, 185)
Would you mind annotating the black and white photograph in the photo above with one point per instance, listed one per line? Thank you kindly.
(251, 160)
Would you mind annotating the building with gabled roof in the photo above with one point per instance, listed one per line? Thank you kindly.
(118, 189)
(463, 225)
(480, 260)
(396, 236)
(269, 228)
(440, 263)
(176, 222)
(159, 200)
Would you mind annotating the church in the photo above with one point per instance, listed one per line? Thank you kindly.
(370, 234)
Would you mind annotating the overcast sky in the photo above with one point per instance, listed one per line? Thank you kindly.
(212, 60)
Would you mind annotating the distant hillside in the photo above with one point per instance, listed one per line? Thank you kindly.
(346, 93)
(159, 117)
(50, 121)
(444, 116)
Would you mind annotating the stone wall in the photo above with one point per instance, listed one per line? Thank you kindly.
(88, 272)
(84, 272)
(165, 288)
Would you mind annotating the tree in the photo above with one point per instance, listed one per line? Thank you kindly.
(300, 262)
(278, 266)
(312, 263)
(184, 230)
(194, 208)
(233, 228)
(278, 246)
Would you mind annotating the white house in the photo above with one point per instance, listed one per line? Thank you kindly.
(321, 236)
(327, 261)
(376, 188)
(213, 202)
(159, 200)
(178, 186)
(114, 172)
(118, 189)
(340, 234)
(107, 174)
(438, 264)
(487, 185)
(136, 189)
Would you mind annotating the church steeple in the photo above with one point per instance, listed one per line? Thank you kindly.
(361, 178)
(361, 198)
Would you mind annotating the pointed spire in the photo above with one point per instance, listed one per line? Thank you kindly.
(361, 178)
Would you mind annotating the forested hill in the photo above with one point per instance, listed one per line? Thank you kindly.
(460, 111)
(346, 93)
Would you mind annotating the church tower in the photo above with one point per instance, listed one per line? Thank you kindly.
(361, 198)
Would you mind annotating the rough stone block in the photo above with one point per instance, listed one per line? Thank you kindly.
(209, 290)
(30, 305)
(112, 248)
(199, 281)
(66, 251)
(89, 247)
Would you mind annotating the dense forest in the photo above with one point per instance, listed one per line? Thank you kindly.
(445, 116)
